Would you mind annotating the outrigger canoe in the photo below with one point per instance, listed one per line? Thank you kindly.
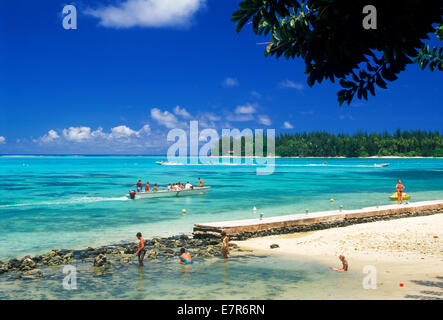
(167, 194)
(394, 196)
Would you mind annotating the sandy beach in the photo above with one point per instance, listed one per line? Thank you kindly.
(407, 254)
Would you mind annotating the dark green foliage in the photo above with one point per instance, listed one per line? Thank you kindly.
(362, 144)
(328, 35)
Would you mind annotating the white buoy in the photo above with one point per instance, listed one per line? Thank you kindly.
(254, 209)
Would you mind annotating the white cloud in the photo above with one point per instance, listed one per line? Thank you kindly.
(147, 13)
(50, 136)
(287, 125)
(291, 84)
(182, 112)
(77, 134)
(230, 82)
(2, 140)
(164, 118)
(121, 132)
(245, 109)
(264, 119)
(255, 94)
(145, 130)
(212, 117)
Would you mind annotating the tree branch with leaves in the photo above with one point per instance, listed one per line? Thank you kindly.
(328, 35)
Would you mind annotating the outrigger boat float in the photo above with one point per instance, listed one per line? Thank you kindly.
(167, 194)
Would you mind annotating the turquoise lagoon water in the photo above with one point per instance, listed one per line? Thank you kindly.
(75, 202)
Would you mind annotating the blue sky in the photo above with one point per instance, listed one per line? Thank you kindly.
(135, 69)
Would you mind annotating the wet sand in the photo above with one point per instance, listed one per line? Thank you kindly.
(407, 254)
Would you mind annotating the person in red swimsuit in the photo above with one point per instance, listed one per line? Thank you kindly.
(400, 189)
(141, 249)
(147, 187)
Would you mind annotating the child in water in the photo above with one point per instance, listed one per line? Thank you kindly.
(344, 262)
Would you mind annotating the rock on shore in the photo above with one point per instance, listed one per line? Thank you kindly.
(157, 248)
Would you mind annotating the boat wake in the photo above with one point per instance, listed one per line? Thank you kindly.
(78, 200)
(276, 165)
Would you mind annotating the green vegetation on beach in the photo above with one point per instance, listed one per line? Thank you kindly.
(323, 144)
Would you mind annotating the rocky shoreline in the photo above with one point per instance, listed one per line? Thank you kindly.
(104, 257)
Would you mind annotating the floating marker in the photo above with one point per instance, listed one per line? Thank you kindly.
(184, 211)
(254, 209)
(331, 200)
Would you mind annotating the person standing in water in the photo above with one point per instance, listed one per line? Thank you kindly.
(225, 245)
(400, 189)
(344, 262)
(185, 257)
(155, 188)
(141, 249)
(147, 187)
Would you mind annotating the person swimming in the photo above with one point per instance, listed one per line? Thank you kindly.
(185, 258)
(345, 264)
(399, 187)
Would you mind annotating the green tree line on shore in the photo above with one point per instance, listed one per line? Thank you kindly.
(362, 144)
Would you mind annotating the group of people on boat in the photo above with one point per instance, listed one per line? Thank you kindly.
(147, 186)
(171, 187)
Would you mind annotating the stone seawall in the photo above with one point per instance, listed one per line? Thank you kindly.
(243, 229)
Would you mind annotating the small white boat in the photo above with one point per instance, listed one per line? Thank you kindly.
(381, 165)
(167, 194)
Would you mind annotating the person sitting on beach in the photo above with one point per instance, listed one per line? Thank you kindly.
(141, 249)
(188, 185)
(139, 185)
(155, 188)
(400, 189)
(147, 187)
(344, 262)
(185, 258)
(225, 245)
(200, 182)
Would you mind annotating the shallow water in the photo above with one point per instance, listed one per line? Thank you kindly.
(237, 278)
(75, 202)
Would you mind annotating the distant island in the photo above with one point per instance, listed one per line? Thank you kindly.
(413, 143)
